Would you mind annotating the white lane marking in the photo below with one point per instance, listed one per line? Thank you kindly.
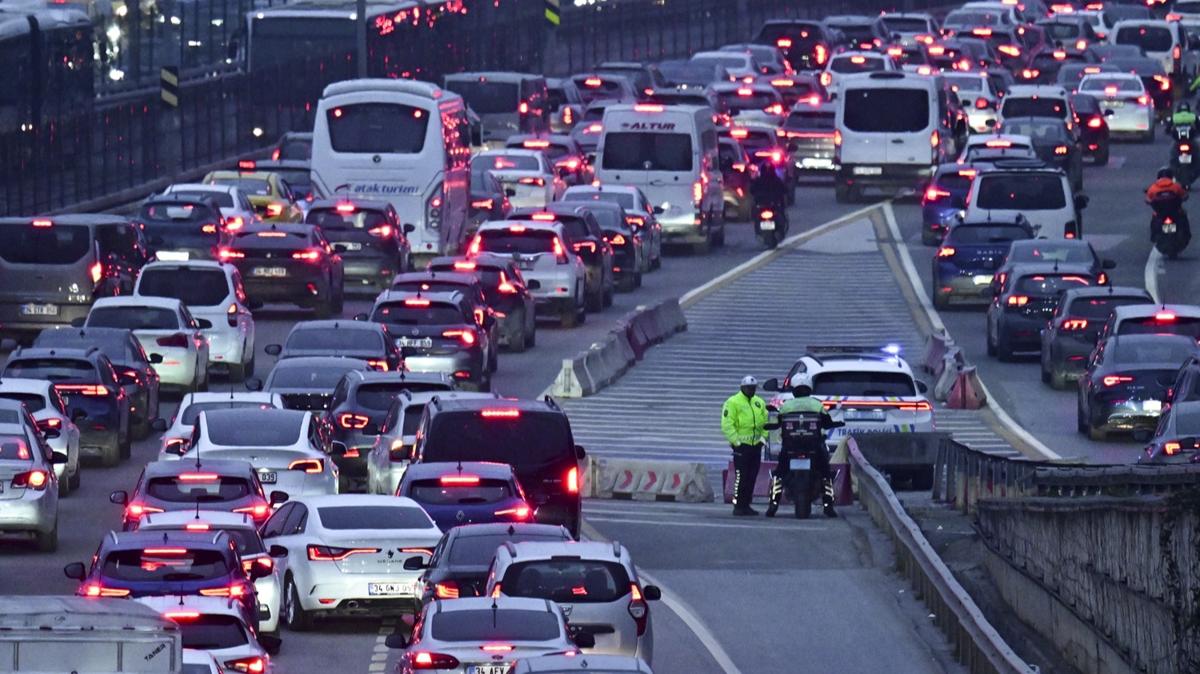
(714, 525)
(1150, 274)
(935, 320)
(685, 613)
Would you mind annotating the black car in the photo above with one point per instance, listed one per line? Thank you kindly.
(1186, 387)
(461, 560)
(296, 172)
(1066, 251)
(187, 228)
(369, 237)
(584, 235)
(469, 286)
(944, 198)
(307, 382)
(533, 436)
(438, 332)
(293, 145)
(1125, 386)
(291, 263)
(1071, 335)
(133, 367)
(91, 389)
(1027, 298)
(966, 262)
(807, 45)
(629, 252)
(368, 342)
(857, 32)
(1177, 438)
(1053, 142)
(506, 292)
(489, 200)
(55, 267)
(1092, 123)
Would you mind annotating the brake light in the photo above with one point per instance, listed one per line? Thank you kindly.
(1164, 82)
(199, 526)
(310, 254)
(352, 421)
(538, 182)
(32, 479)
(617, 240)
(325, 553)
(42, 224)
(520, 512)
(560, 254)
(96, 271)
(523, 108)
(767, 215)
(572, 480)
(1074, 324)
(274, 210)
(821, 53)
(466, 336)
(501, 413)
(198, 477)
(246, 164)
(1009, 50)
(1018, 300)
(946, 251)
(1095, 122)
(593, 82)
(784, 43)
(496, 591)
(1164, 317)
(697, 192)
(1143, 100)
(382, 231)
(416, 302)
(83, 389)
(181, 615)
(998, 144)
(227, 254)
(1061, 150)
(208, 229)
(134, 511)
(258, 512)
(982, 32)
(837, 138)
(234, 590)
(378, 364)
(1115, 379)
(446, 589)
(647, 107)
(1185, 147)
(49, 424)
(496, 648)
(1171, 448)
(426, 660)
(97, 590)
(505, 286)
(175, 341)
(310, 466)
(251, 665)
(638, 610)
(1177, 53)
(933, 193)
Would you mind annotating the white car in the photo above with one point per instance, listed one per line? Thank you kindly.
(212, 291)
(997, 145)
(349, 555)
(853, 63)
(234, 203)
(392, 453)
(284, 447)
(215, 625)
(178, 436)
(527, 172)
(975, 92)
(1128, 107)
(200, 662)
(739, 65)
(242, 528)
(50, 412)
(163, 326)
(29, 503)
(554, 273)
(1042, 195)
(872, 391)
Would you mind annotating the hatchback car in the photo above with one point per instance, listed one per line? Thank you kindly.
(506, 293)
(164, 326)
(584, 236)
(527, 172)
(213, 292)
(215, 483)
(553, 271)
(970, 254)
(178, 435)
(218, 627)
(371, 343)
(1025, 302)
(466, 492)
(53, 421)
(639, 212)
(178, 228)
(1072, 332)
(470, 287)
(1126, 96)
(368, 235)
(1053, 142)
(1125, 386)
(1068, 251)
(235, 206)
(348, 555)
(1149, 319)
(28, 483)
(438, 332)
(1027, 187)
(307, 382)
(1092, 122)
(290, 263)
(568, 159)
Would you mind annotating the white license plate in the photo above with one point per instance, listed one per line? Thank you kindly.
(1152, 406)
(384, 589)
(350, 245)
(268, 478)
(767, 225)
(982, 279)
(415, 343)
(488, 669)
(1185, 159)
(800, 464)
(868, 170)
(865, 415)
(269, 272)
(173, 255)
(39, 309)
(1169, 228)
(1114, 104)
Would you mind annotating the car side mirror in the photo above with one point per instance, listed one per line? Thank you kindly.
(158, 425)
(651, 593)
(270, 642)
(119, 497)
(338, 448)
(771, 384)
(580, 452)
(362, 317)
(78, 322)
(408, 228)
(1081, 201)
(273, 349)
(396, 640)
(57, 457)
(258, 571)
(75, 571)
(989, 123)
(414, 563)
(1108, 264)
(254, 384)
(155, 358)
(1109, 112)
(922, 387)
(203, 323)
(78, 415)
(277, 551)
(510, 192)
(533, 284)
(278, 497)
(658, 210)
(51, 434)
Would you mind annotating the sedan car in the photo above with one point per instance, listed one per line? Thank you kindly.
(290, 263)
(1126, 96)
(164, 326)
(54, 422)
(234, 203)
(966, 262)
(217, 484)
(29, 505)
(212, 292)
(350, 555)
(178, 435)
(527, 172)
(371, 343)
(218, 628)
(470, 287)
(1071, 334)
(307, 382)
(1177, 438)
(506, 293)
(1027, 298)
(466, 492)
(1126, 383)
(629, 258)
(368, 235)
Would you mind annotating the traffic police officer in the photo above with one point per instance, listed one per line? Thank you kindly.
(802, 401)
(743, 421)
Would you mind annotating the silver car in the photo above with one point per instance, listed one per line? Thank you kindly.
(50, 412)
(28, 485)
(595, 584)
(553, 272)
(482, 635)
(392, 453)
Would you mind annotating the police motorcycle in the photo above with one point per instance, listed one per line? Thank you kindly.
(1169, 229)
(1183, 156)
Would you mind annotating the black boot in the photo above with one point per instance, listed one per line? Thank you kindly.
(776, 495)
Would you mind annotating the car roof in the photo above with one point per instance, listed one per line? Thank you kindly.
(43, 352)
(589, 662)
(220, 466)
(398, 377)
(503, 602)
(510, 528)
(1136, 339)
(227, 606)
(1028, 90)
(554, 138)
(856, 362)
(1107, 291)
(593, 550)
(288, 227)
(1022, 269)
(256, 415)
(423, 397)
(444, 297)
(541, 225)
(462, 278)
(322, 361)
(23, 385)
(484, 469)
(223, 396)
(201, 187)
(359, 204)
(348, 500)
(336, 324)
(138, 301)
(510, 152)
(1141, 310)
(187, 264)
(479, 404)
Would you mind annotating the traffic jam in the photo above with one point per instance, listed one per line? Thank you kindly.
(421, 234)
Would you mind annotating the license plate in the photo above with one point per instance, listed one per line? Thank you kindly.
(268, 478)
(1114, 104)
(383, 589)
(982, 279)
(1152, 406)
(865, 415)
(1169, 228)
(269, 272)
(767, 225)
(414, 342)
(39, 309)
(488, 669)
(800, 464)
(173, 255)
(1185, 159)
(868, 170)
(350, 245)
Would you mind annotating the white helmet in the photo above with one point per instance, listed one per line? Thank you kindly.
(749, 380)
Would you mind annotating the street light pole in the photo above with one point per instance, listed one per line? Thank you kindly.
(360, 14)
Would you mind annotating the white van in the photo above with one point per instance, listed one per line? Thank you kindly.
(400, 141)
(1163, 41)
(890, 132)
(670, 152)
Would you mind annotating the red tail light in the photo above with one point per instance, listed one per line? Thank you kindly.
(821, 53)
(1116, 379)
(459, 480)
(784, 43)
(134, 511)
(981, 103)
(259, 512)
(933, 193)
(560, 254)
(1185, 147)
(97, 590)
(96, 271)
(1164, 317)
(496, 648)
(1171, 448)
(523, 107)
(251, 665)
(638, 610)
(208, 229)
(83, 389)
(49, 424)
(175, 341)
(1073, 324)
(274, 210)
(520, 512)
(1143, 100)
(427, 660)
(1095, 122)
(310, 466)
(505, 286)
(1061, 150)
(484, 204)
(500, 413)
(946, 251)
(382, 231)
(1018, 300)
(697, 192)
(589, 245)
(446, 589)
(308, 255)
(539, 182)
(227, 254)
(476, 245)
(234, 590)
(248, 564)
(234, 223)
(378, 364)
(466, 336)
(572, 480)
(32, 479)
(767, 215)
(324, 553)
(351, 421)
(618, 240)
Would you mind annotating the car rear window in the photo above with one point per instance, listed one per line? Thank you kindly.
(1049, 285)
(433, 313)
(435, 492)
(255, 187)
(886, 110)
(192, 412)
(757, 100)
(954, 182)
(199, 487)
(1127, 85)
(193, 287)
(182, 214)
(1034, 107)
(133, 318)
(1050, 251)
(222, 198)
(52, 369)
(56, 244)
(984, 234)
(373, 517)
(272, 239)
(166, 562)
(1149, 38)
(625, 151)
(507, 241)
(1099, 308)
(508, 162)
(487, 98)
(278, 432)
(33, 402)
(14, 448)
(904, 24)
(526, 439)
(570, 581)
(1033, 192)
(306, 376)
(209, 632)
(295, 149)
(863, 384)
(502, 624)
(1179, 325)
(332, 219)
(964, 82)
(392, 128)
(623, 198)
(1040, 130)
(856, 64)
(1155, 350)
(247, 541)
(334, 339)
(480, 550)
(380, 396)
(433, 286)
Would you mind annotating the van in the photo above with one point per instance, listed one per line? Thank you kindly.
(1164, 41)
(670, 152)
(891, 132)
(507, 103)
(76, 634)
(400, 141)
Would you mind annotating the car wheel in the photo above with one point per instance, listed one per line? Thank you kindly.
(1101, 157)
(991, 346)
(518, 341)
(569, 318)
(841, 192)
(595, 301)
(1096, 434)
(1045, 372)
(298, 620)
(1004, 352)
(531, 334)
(608, 294)
(237, 372)
(75, 479)
(47, 541)
(940, 301)
(1081, 425)
(110, 456)
(64, 486)
(124, 445)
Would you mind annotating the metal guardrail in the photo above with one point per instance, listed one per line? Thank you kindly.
(977, 645)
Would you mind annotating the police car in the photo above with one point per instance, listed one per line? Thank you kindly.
(871, 389)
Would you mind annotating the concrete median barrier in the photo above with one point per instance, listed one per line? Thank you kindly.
(952, 362)
(650, 480)
(966, 393)
(936, 348)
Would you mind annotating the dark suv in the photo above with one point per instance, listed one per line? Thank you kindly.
(55, 267)
(469, 286)
(461, 560)
(179, 227)
(288, 263)
(369, 237)
(438, 332)
(506, 293)
(533, 436)
(585, 236)
(92, 391)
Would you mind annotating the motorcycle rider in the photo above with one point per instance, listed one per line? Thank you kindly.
(743, 422)
(1183, 119)
(1159, 189)
(812, 444)
(770, 192)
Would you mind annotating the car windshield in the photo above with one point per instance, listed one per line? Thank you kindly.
(373, 517)
(265, 431)
(567, 581)
(459, 490)
(14, 448)
(487, 98)
(523, 439)
(133, 318)
(1168, 324)
(985, 234)
(505, 625)
(307, 376)
(1033, 106)
(55, 244)
(380, 396)
(52, 369)
(334, 339)
(211, 632)
(1049, 251)
(1099, 308)
(886, 110)
(386, 128)
(634, 151)
(193, 287)
(1149, 38)
(1032, 192)
(1154, 350)
(198, 487)
(422, 313)
(517, 239)
(164, 563)
(864, 384)
(1049, 285)
(192, 412)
